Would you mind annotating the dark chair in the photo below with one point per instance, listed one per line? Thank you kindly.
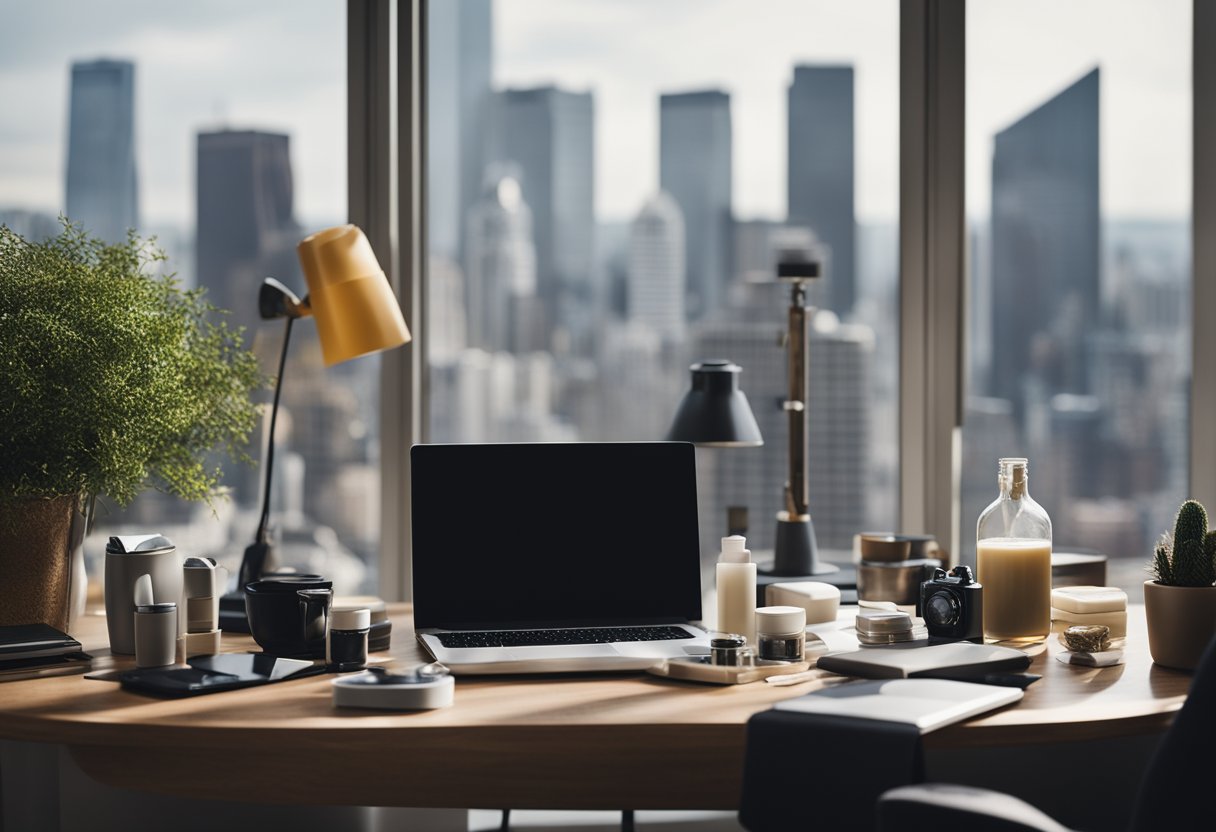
(1176, 793)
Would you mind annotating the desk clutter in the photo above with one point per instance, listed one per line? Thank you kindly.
(163, 610)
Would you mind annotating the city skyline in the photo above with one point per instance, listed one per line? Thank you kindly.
(558, 271)
(534, 45)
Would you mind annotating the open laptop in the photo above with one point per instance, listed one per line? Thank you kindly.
(556, 557)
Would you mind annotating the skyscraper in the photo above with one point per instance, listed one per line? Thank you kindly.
(695, 168)
(550, 135)
(656, 268)
(819, 182)
(458, 110)
(245, 228)
(102, 192)
(1045, 232)
(501, 296)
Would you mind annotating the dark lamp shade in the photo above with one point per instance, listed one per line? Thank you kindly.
(715, 412)
(356, 310)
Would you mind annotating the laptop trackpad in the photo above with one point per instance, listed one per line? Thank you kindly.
(562, 651)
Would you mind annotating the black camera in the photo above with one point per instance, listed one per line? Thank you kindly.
(952, 605)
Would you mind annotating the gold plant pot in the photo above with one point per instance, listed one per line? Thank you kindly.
(38, 540)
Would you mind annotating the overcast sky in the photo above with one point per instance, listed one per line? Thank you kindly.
(280, 65)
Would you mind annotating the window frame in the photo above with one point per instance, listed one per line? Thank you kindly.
(387, 175)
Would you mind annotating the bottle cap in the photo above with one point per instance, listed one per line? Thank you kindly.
(359, 619)
(780, 621)
(734, 550)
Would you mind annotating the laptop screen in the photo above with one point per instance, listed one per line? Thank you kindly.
(554, 533)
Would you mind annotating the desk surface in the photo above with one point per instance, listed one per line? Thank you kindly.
(578, 742)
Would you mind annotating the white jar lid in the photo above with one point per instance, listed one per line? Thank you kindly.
(360, 619)
(780, 621)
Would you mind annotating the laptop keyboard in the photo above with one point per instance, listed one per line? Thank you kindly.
(534, 638)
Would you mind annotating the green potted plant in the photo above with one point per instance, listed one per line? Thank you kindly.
(114, 379)
(1181, 602)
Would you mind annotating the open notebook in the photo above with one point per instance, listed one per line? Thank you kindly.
(928, 704)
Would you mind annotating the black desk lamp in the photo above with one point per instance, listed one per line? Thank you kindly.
(357, 314)
(714, 413)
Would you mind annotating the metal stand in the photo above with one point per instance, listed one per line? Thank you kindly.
(795, 552)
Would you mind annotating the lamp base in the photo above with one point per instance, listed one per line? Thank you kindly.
(795, 552)
(796, 558)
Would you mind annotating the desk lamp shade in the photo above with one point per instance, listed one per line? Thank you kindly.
(349, 295)
(715, 412)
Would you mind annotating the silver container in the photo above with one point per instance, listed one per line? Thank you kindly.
(897, 582)
(155, 634)
(127, 558)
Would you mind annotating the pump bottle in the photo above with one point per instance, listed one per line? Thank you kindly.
(736, 580)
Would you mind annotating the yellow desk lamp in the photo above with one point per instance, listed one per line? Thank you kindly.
(356, 313)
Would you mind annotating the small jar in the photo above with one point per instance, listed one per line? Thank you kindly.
(781, 632)
(346, 642)
(729, 650)
(155, 634)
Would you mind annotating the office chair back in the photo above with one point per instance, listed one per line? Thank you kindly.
(1177, 786)
(1175, 793)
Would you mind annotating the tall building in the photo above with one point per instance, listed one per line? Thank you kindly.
(549, 134)
(102, 190)
(1045, 238)
(695, 168)
(458, 110)
(245, 228)
(655, 296)
(819, 183)
(501, 289)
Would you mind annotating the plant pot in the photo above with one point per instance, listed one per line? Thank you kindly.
(41, 561)
(1181, 622)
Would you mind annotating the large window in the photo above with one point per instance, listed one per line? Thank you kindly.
(1078, 205)
(610, 185)
(220, 129)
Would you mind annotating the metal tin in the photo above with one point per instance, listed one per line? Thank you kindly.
(897, 582)
(883, 627)
(155, 627)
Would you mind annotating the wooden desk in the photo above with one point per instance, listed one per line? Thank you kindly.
(575, 742)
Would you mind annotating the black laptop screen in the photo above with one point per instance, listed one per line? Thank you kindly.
(556, 533)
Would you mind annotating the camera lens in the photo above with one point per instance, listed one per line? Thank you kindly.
(941, 610)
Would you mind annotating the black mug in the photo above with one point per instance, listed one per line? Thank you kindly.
(288, 616)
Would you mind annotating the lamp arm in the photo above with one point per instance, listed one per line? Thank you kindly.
(274, 415)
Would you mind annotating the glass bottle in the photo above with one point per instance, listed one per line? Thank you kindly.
(1013, 546)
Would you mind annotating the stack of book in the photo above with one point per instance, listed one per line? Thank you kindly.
(30, 650)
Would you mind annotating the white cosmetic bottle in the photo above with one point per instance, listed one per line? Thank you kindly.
(736, 580)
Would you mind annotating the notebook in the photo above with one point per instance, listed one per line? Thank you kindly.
(29, 650)
(928, 704)
(950, 660)
(556, 557)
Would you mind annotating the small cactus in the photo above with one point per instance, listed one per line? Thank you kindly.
(1188, 556)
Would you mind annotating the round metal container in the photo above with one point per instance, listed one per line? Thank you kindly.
(897, 582)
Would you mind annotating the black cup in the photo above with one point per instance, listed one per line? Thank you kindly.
(288, 615)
